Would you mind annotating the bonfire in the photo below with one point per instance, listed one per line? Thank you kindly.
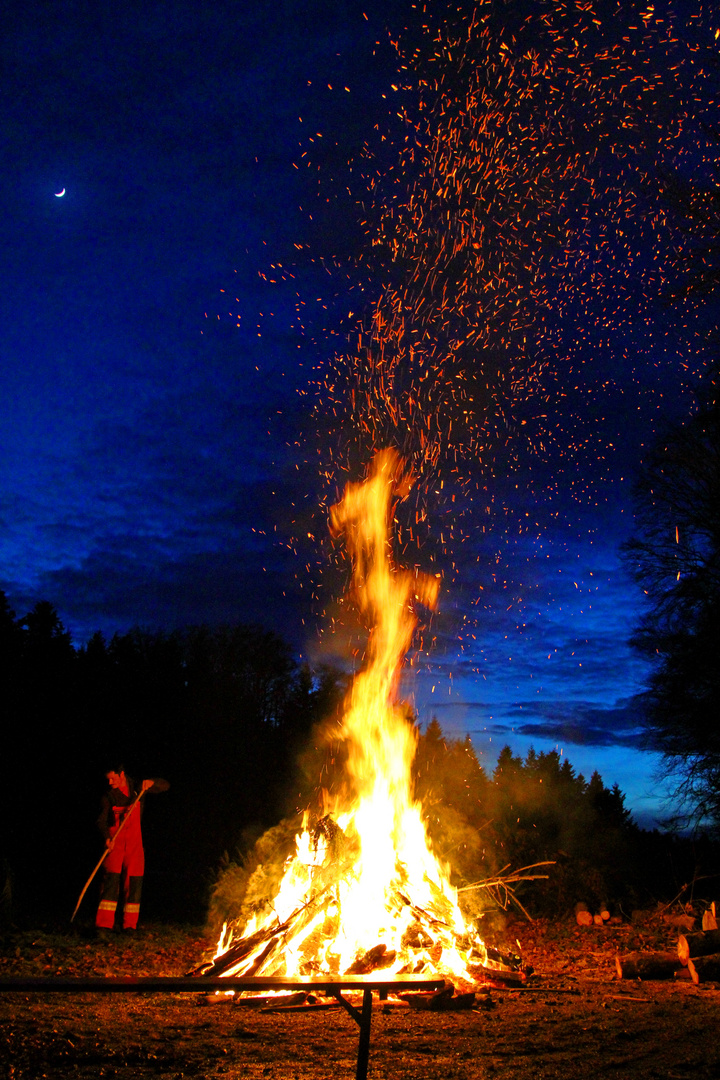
(363, 890)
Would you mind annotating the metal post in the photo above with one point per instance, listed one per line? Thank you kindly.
(364, 1041)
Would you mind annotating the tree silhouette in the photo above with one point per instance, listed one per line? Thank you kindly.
(675, 557)
(219, 711)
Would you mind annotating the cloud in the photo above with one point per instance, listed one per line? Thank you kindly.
(133, 582)
(578, 723)
(585, 724)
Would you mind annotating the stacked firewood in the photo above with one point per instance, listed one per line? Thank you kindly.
(696, 957)
(700, 952)
(602, 917)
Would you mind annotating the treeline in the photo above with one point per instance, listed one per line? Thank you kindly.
(231, 719)
(530, 811)
(221, 713)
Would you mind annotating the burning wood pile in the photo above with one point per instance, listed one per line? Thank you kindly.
(363, 892)
(424, 940)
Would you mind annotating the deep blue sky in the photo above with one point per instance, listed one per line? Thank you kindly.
(150, 469)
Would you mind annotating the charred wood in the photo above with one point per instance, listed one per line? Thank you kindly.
(335, 839)
(237, 952)
(373, 960)
(508, 967)
(445, 1000)
(416, 938)
(430, 1002)
(497, 973)
(257, 964)
(246, 946)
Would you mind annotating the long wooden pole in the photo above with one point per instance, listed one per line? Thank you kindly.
(107, 851)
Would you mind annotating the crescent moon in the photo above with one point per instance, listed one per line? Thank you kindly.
(59, 194)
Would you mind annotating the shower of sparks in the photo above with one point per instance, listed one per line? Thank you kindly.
(521, 235)
(509, 307)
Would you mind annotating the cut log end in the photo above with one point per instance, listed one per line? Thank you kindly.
(701, 943)
(705, 968)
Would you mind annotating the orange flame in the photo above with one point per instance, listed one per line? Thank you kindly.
(365, 881)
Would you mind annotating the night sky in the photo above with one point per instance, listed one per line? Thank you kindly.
(176, 416)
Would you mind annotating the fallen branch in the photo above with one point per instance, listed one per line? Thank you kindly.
(501, 890)
(511, 879)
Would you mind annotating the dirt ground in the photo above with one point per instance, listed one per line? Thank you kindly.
(573, 1019)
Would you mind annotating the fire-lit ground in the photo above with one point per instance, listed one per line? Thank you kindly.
(577, 1020)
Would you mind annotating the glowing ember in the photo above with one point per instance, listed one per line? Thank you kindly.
(363, 890)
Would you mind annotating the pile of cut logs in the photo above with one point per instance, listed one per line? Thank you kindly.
(601, 917)
(697, 956)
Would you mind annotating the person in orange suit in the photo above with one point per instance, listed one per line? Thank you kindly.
(125, 861)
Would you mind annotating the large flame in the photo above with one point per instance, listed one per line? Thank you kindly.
(363, 889)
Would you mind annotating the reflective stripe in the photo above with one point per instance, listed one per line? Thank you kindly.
(132, 907)
(108, 905)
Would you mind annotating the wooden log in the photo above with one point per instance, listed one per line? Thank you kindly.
(642, 965)
(497, 974)
(445, 1000)
(454, 1003)
(583, 917)
(373, 960)
(257, 964)
(259, 1001)
(505, 959)
(429, 1002)
(220, 997)
(310, 1006)
(709, 919)
(681, 922)
(701, 943)
(237, 952)
(415, 937)
(246, 945)
(705, 968)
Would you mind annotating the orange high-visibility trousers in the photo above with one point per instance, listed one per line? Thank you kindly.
(124, 865)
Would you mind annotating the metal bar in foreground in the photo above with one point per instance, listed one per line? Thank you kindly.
(178, 984)
(174, 984)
